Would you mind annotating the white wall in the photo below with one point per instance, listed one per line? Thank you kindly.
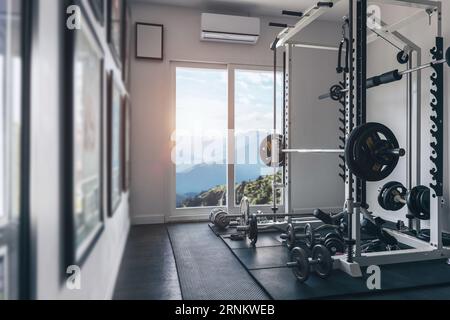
(153, 113)
(99, 271)
(387, 104)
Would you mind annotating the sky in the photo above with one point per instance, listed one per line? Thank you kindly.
(201, 106)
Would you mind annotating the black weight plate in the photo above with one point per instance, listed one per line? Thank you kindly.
(253, 230)
(415, 205)
(447, 56)
(363, 152)
(396, 188)
(301, 270)
(325, 263)
(335, 245)
(265, 151)
(336, 93)
(380, 197)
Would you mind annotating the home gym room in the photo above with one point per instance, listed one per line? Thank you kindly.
(206, 150)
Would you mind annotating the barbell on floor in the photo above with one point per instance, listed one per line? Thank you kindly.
(337, 91)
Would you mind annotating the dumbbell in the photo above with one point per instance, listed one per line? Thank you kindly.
(292, 236)
(302, 264)
(393, 196)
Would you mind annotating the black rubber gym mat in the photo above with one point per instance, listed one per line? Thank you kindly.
(264, 240)
(262, 258)
(219, 232)
(280, 283)
(206, 268)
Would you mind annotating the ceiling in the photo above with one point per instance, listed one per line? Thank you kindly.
(253, 7)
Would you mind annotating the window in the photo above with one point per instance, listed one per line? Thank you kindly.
(11, 64)
(205, 97)
(253, 104)
(201, 129)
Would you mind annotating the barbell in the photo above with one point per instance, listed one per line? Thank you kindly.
(372, 151)
(336, 91)
(222, 219)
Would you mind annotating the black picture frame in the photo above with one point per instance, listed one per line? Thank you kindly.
(126, 44)
(126, 143)
(157, 58)
(98, 7)
(77, 249)
(114, 28)
(114, 142)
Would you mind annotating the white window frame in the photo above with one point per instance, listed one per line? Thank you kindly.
(200, 213)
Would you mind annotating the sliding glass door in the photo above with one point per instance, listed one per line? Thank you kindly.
(222, 115)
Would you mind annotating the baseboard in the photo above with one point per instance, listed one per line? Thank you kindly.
(188, 218)
(148, 219)
(311, 210)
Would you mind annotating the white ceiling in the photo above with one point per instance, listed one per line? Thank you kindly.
(253, 7)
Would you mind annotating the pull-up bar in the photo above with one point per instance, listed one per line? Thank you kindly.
(388, 77)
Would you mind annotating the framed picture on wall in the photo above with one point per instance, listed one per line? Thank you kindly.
(82, 135)
(126, 44)
(4, 273)
(114, 143)
(149, 41)
(114, 28)
(98, 7)
(126, 135)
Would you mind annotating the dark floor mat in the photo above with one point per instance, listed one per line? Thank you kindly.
(219, 232)
(262, 258)
(207, 270)
(264, 240)
(280, 283)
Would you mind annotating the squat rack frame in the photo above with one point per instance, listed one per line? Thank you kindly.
(356, 115)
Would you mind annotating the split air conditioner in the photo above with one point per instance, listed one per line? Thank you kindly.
(232, 29)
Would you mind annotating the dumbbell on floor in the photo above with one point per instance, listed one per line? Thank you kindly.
(332, 240)
(302, 264)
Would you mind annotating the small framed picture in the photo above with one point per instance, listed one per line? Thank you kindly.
(98, 7)
(114, 143)
(149, 41)
(126, 135)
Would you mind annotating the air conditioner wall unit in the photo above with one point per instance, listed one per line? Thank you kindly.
(231, 29)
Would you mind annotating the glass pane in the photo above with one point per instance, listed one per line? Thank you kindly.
(87, 138)
(10, 144)
(253, 122)
(201, 124)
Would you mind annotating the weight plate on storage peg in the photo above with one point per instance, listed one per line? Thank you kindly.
(372, 152)
(265, 151)
(418, 202)
(324, 264)
(387, 198)
(447, 56)
(300, 264)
